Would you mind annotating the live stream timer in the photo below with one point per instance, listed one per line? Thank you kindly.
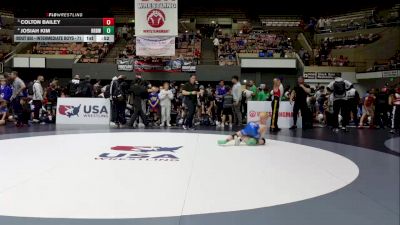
(108, 21)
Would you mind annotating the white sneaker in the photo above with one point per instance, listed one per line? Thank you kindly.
(184, 127)
(168, 125)
(222, 125)
(162, 125)
(218, 123)
(35, 121)
(230, 125)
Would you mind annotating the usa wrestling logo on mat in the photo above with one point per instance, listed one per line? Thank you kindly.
(141, 153)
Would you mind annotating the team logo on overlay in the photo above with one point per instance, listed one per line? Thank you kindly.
(141, 153)
(155, 18)
(69, 110)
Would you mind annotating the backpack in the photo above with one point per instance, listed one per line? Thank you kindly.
(339, 89)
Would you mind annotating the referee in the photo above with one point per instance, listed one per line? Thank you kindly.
(189, 90)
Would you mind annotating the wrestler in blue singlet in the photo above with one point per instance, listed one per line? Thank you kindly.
(251, 130)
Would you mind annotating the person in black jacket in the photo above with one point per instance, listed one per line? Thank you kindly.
(139, 92)
(119, 97)
(73, 86)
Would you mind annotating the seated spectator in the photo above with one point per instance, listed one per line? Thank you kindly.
(3, 112)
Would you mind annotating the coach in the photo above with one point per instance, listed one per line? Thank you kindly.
(190, 90)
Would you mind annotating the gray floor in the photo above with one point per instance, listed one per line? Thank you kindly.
(372, 199)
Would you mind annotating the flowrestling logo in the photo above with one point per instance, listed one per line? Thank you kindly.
(89, 111)
(141, 153)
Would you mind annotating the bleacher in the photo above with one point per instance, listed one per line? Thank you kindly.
(188, 48)
(279, 21)
(91, 52)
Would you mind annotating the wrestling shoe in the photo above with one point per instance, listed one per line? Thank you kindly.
(251, 141)
(222, 142)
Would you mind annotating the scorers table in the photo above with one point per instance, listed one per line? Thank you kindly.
(64, 30)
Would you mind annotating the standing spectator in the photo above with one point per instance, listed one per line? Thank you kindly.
(73, 86)
(237, 98)
(368, 109)
(165, 97)
(189, 90)
(277, 93)
(353, 100)
(220, 92)
(119, 97)
(18, 87)
(154, 104)
(253, 89)
(395, 102)
(339, 87)
(247, 94)
(227, 105)
(216, 43)
(139, 91)
(5, 89)
(381, 108)
(299, 97)
(85, 88)
(263, 94)
(51, 96)
(37, 98)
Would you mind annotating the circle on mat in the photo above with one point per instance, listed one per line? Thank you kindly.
(147, 175)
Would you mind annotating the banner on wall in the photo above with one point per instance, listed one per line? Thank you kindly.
(83, 111)
(155, 46)
(172, 66)
(125, 64)
(321, 75)
(156, 18)
(285, 119)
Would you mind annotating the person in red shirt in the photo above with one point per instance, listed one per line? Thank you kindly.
(368, 109)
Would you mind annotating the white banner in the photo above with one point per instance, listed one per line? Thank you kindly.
(83, 111)
(285, 119)
(155, 46)
(156, 18)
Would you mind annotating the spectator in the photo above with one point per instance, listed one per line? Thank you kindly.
(154, 104)
(219, 94)
(263, 94)
(190, 90)
(3, 112)
(277, 93)
(227, 108)
(237, 97)
(85, 88)
(139, 92)
(73, 86)
(37, 98)
(368, 110)
(18, 87)
(165, 97)
(299, 97)
(253, 89)
(119, 97)
(353, 99)
(381, 108)
(5, 89)
(24, 114)
(339, 87)
(395, 102)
